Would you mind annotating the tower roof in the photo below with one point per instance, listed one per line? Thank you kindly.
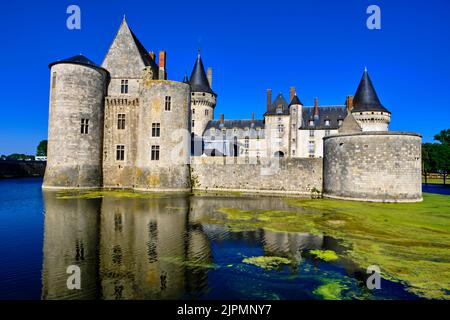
(185, 79)
(279, 106)
(366, 99)
(295, 100)
(198, 81)
(127, 56)
(78, 59)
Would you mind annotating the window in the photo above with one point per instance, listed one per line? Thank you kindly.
(311, 133)
(279, 109)
(156, 129)
(293, 152)
(280, 128)
(327, 122)
(84, 126)
(120, 153)
(311, 122)
(246, 142)
(155, 153)
(168, 103)
(193, 123)
(121, 121)
(193, 111)
(124, 86)
(327, 132)
(340, 122)
(206, 112)
(53, 80)
(311, 147)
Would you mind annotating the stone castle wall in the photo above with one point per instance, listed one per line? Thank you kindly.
(171, 171)
(373, 166)
(271, 176)
(75, 159)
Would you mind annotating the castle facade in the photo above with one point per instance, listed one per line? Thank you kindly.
(125, 125)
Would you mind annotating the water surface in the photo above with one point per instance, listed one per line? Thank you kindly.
(164, 247)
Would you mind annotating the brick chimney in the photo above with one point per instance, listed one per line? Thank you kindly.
(162, 65)
(152, 55)
(222, 118)
(209, 76)
(292, 93)
(269, 99)
(349, 103)
(316, 107)
(253, 117)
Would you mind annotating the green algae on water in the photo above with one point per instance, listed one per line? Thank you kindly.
(330, 290)
(96, 194)
(268, 263)
(410, 242)
(326, 255)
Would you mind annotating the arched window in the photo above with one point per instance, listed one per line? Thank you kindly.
(279, 154)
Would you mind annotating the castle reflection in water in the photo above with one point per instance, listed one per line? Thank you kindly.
(157, 248)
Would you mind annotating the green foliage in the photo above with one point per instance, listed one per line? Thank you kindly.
(42, 148)
(21, 156)
(443, 137)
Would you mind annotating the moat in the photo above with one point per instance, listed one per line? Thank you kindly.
(160, 246)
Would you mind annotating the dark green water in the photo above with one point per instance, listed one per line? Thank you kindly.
(132, 248)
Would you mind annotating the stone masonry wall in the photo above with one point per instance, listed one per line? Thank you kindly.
(74, 160)
(271, 176)
(373, 166)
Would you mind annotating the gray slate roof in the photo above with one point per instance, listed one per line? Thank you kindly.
(199, 81)
(78, 59)
(331, 113)
(239, 124)
(281, 102)
(366, 98)
(295, 100)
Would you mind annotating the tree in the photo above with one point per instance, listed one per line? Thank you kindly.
(443, 137)
(42, 148)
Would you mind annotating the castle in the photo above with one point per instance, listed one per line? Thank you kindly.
(125, 125)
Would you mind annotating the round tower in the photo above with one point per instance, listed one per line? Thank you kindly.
(75, 129)
(203, 98)
(368, 111)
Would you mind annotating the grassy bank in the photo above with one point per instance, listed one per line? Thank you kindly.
(409, 242)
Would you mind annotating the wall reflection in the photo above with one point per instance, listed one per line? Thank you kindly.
(126, 248)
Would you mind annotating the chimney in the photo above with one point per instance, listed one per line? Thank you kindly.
(349, 103)
(152, 55)
(292, 93)
(253, 117)
(316, 107)
(222, 118)
(162, 65)
(269, 99)
(209, 76)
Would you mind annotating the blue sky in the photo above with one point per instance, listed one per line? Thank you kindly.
(320, 47)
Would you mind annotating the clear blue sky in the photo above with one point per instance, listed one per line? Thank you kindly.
(320, 47)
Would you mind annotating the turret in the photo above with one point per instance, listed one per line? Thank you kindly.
(295, 108)
(75, 131)
(203, 98)
(368, 111)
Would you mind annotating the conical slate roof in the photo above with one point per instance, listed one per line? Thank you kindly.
(295, 100)
(366, 99)
(78, 59)
(185, 79)
(199, 82)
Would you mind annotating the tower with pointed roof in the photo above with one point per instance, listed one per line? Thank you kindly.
(368, 111)
(203, 98)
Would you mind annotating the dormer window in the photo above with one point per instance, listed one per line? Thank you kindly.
(327, 122)
(280, 109)
(311, 123)
(340, 122)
